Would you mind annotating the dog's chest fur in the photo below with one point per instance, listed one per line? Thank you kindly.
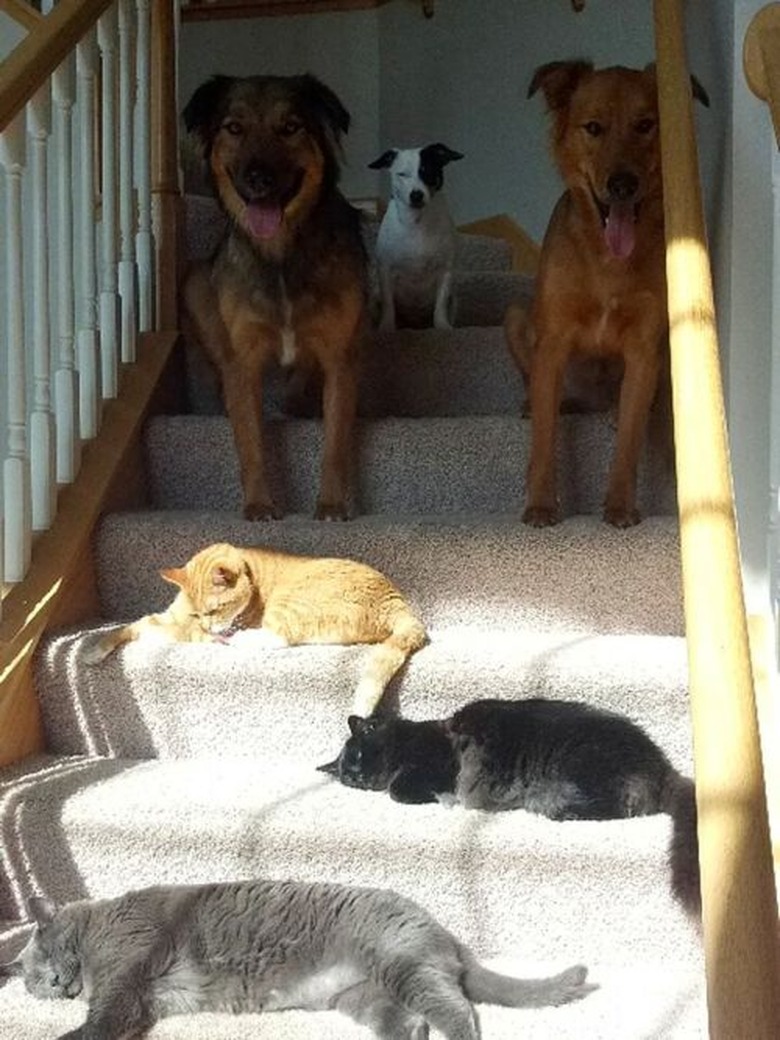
(417, 245)
(291, 296)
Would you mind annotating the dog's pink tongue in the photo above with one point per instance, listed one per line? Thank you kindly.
(264, 218)
(619, 231)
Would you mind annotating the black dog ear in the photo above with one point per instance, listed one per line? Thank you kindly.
(441, 154)
(385, 159)
(202, 111)
(558, 80)
(321, 100)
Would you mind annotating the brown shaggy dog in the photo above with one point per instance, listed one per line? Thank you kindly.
(601, 286)
(288, 282)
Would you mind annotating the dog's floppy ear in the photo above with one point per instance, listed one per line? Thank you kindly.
(202, 111)
(385, 159)
(324, 103)
(558, 80)
(697, 90)
(441, 154)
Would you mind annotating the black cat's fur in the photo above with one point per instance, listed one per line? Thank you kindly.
(561, 759)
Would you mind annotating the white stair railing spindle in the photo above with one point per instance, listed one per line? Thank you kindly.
(16, 469)
(127, 271)
(86, 313)
(42, 438)
(109, 297)
(66, 406)
(143, 167)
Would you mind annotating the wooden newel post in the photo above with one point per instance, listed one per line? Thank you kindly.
(166, 197)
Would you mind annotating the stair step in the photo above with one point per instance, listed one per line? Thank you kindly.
(506, 883)
(150, 701)
(410, 372)
(632, 1003)
(205, 223)
(484, 572)
(404, 466)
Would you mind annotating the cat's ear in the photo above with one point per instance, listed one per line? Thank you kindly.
(224, 576)
(356, 724)
(331, 768)
(41, 910)
(175, 575)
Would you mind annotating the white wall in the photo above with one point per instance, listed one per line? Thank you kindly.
(341, 49)
(11, 33)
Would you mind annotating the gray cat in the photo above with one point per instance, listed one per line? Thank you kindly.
(262, 945)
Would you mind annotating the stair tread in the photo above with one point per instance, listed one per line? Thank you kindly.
(185, 700)
(99, 826)
(631, 1004)
(487, 571)
(404, 466)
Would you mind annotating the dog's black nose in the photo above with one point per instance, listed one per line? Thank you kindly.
(259, 179)
(416, 199)
(623, 186)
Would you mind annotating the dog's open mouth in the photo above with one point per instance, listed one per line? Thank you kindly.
(264, 214)
(618, 218)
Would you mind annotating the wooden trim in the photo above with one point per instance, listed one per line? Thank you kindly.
(525, 251)
(761, 59)
(739, 913)
(31, 63)
(59, 588)
(22, 13)
(196, 12)
(761, 634)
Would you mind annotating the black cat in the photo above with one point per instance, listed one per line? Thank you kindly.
(561, 759)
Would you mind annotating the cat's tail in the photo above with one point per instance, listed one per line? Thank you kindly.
(483, 986)
(678, 798)
(407, 634)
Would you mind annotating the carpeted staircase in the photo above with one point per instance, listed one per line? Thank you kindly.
(195, 763)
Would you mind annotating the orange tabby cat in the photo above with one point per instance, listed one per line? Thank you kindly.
(289, 599)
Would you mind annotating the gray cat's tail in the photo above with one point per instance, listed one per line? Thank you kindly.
(679, 800)
(483, 986)
(407, 634)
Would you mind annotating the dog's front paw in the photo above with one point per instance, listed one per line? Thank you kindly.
(265, 510)
(331, 511)
(540, 516)
(621, 516)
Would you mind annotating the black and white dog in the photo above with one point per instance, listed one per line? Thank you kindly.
(415, 247)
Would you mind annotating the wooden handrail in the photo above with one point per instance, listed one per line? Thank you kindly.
(761, 60)
(22, 13)
(31, 63)
(739, 912)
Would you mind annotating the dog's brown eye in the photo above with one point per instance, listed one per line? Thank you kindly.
(233, 127)
(644, 126)
(593, 128)
(292, 126)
